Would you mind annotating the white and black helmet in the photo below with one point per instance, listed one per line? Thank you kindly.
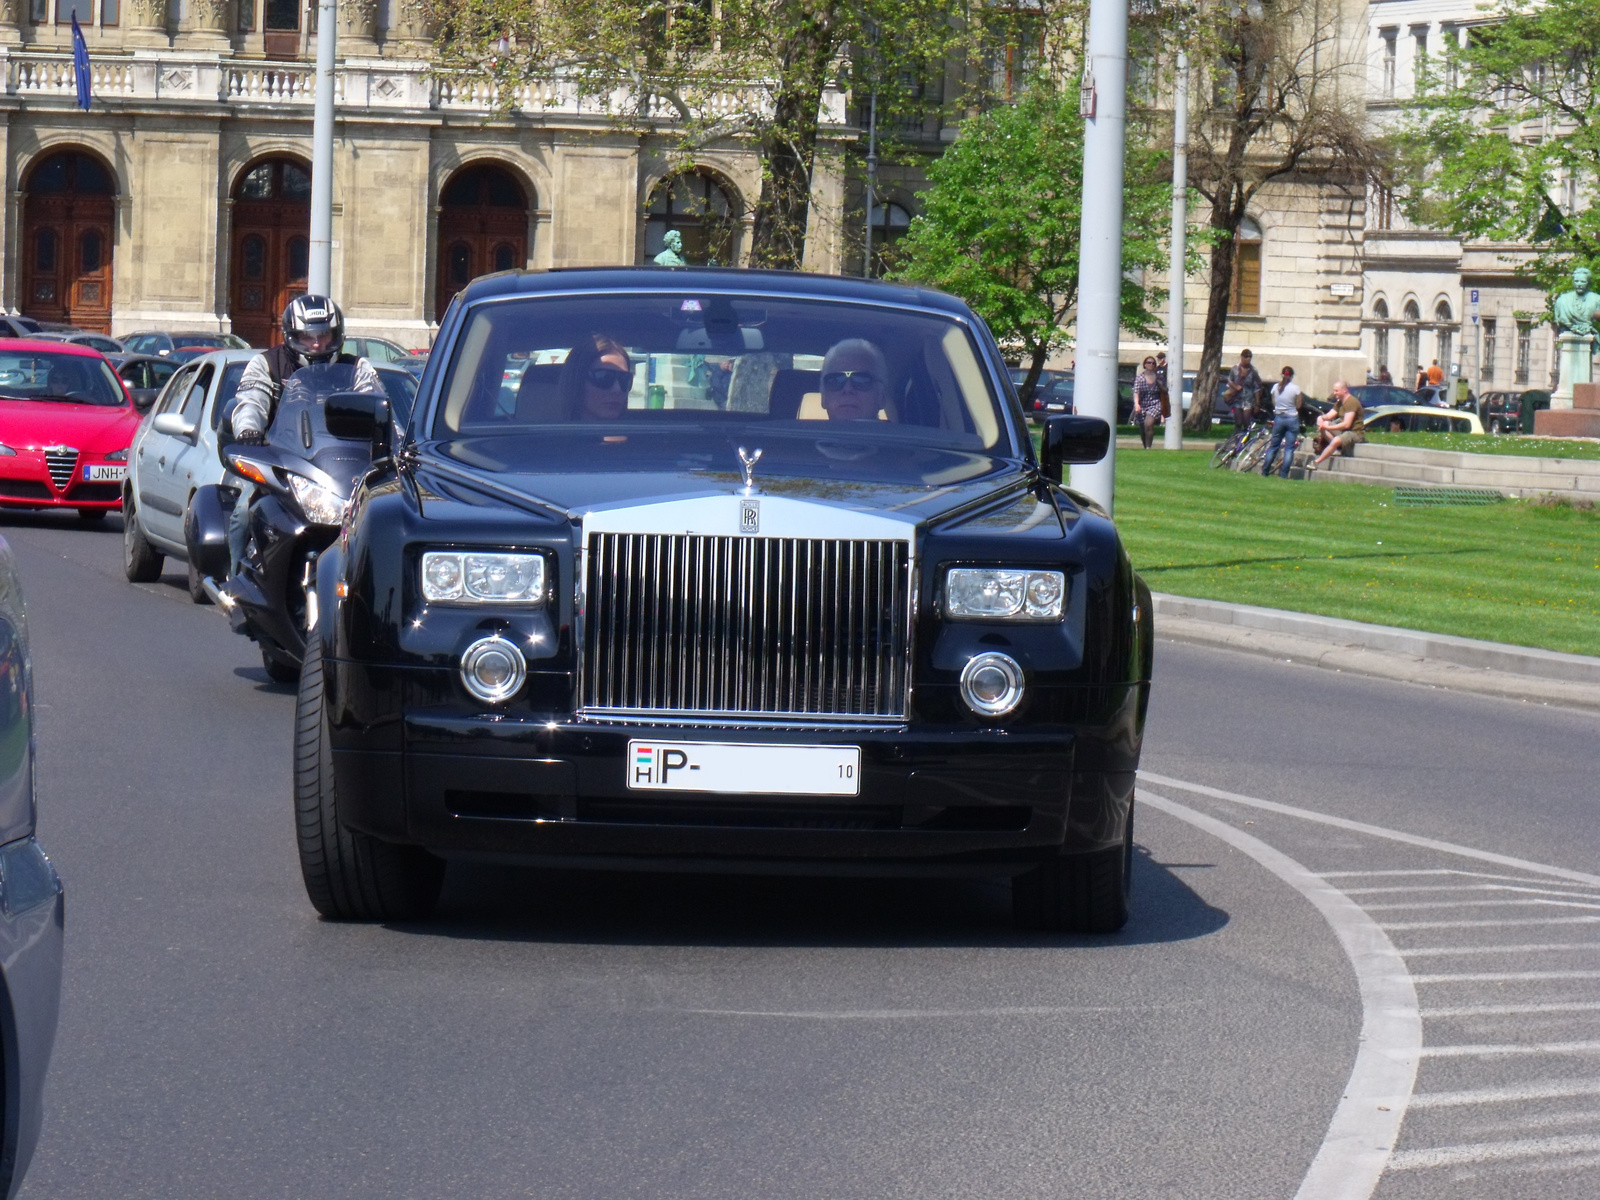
(313, 327)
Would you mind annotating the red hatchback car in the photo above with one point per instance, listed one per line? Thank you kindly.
(66, 420)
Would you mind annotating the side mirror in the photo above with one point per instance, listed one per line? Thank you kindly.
(1072, 439)
(173, 425)
(142, 398)
(360, 417)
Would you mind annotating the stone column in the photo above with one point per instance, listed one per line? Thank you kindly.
(1576, 352)
(411, 29)
(208, 24)
(147, 22)
(12, 14)
(358, 28)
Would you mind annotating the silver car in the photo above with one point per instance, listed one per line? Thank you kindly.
(31, 903)
(174, 455)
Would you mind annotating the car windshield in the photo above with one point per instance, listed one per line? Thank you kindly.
(209, 340)
(67, 378)
(839, 383)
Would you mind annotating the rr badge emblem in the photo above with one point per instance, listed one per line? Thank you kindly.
(749, 516)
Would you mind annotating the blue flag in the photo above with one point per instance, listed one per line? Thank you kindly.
(80, 63)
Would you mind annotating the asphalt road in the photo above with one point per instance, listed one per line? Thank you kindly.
(590, 1035)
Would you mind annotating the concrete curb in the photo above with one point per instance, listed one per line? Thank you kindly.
(1386, 652)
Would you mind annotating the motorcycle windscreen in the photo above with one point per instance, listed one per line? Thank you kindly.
(300, 428)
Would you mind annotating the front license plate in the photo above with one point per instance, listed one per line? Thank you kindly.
(741, 767)
(104, 473)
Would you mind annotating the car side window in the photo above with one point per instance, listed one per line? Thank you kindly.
(136, 375)
(196, 395)
(1460, 425)
(226, 390)
(175, 391)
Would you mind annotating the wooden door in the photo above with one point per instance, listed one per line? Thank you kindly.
(67, 232)
(271, 247)
(483, 227)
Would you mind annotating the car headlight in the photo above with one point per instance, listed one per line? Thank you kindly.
(116, 456)
(474, 577)
(1004, 594)
(321, 506)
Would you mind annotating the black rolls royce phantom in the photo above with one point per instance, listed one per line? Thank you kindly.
(720, 570)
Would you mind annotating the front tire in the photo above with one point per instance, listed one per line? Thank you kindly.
(197, 591)
(141, 562)
(1077, 893)
(349, 876)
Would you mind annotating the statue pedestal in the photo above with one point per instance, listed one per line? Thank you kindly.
(1575, 354)
(1582, 419)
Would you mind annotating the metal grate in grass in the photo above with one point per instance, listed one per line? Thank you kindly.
(1414, 496)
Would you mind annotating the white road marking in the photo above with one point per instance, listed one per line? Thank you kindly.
(1424, 871)
(1362, 1134)
(1492, 924)
(1452, 1156)
(1513, 1010)
(1475, 887)
(1522, 1122)
(1507, 977)
(1450, 951)
(1544, 1089)
(1500, 1049)
(1480, 904)
(1393, 835)
(902, 1014)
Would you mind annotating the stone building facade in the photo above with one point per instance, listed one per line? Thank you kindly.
(181, 199)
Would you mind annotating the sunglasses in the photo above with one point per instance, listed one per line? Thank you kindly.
(1149, 362)
(858, 381)
(604, 379)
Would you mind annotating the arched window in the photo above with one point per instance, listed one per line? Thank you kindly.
(698, 207)
(1380, 337)
(889, 224)
(1443, 338)
(1246, 292)
(1413, 342)
(1380, 309)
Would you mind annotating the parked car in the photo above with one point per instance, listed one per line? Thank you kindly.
(375, 350)
(145, 375)
(95, 341)
(1418, 418)
(20, 327)
(173, 456)
(165, 344)
(32, 910)
(66, 419)
(1437, 395)
(1377, 395)
(412, 364)
(1526, 405)
(511, 568)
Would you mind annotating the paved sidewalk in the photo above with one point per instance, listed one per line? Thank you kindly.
(1432, 659)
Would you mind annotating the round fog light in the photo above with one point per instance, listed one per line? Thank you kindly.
(493, 669)
(992, 684)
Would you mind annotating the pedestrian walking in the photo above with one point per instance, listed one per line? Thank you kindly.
(1435, 374)
(1149, 391)
(1286, 399)
(1244, 385)
(1384, 376)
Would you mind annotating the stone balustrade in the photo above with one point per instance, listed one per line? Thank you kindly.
(371, 83)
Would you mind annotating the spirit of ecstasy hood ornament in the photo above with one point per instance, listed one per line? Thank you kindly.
(749, 462)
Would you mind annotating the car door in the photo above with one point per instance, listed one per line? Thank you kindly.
(151, 453)
(170, 494)
(193, 465)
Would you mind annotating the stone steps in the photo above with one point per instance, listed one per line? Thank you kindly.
(1510, 474)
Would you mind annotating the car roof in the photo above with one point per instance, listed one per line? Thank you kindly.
(54, 347)
(728, 279)
(1428, 410)
(220, 356)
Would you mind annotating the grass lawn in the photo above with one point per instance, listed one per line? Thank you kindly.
(1474, 443)
(1511, 572)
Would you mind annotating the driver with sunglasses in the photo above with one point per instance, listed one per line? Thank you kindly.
(855, 378)
(597, 380)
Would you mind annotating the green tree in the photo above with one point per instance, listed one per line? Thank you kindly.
(1502, 140)
(701, 72)
(1000, 225)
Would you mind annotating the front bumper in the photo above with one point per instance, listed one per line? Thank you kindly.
(26, 481)
(521, 789)
(32, 912)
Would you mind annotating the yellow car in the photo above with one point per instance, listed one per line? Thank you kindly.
(1417, 418)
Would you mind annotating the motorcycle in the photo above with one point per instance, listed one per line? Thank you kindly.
(304, 477)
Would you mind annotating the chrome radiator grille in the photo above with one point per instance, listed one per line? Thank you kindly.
(61, 461)
(700, 626)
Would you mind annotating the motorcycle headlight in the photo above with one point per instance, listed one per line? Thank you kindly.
(117, 456)
(479, 577)
(321, 506)
(1004, 594)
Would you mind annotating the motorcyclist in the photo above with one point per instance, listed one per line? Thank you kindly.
(313, 332)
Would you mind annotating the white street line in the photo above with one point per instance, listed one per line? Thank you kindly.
(1508, 977)
(903, 1014)
(1424, 871)
(1362, 1134)
(1501, 1049)
(1480, 904)
(1454, 1156)
(1473, 887)
(1502, 924)
(1522, 1122)
(1512, 1010)
(1544, 1089)
(1393, 835)
(1447, 951)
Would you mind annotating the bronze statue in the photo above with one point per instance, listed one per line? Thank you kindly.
(672, 254)
(1576, 311)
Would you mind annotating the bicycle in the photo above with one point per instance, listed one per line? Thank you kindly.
(1228, 449)
(1254, 448)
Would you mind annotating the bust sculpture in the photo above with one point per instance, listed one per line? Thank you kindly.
(672, 255)
(1576, 311)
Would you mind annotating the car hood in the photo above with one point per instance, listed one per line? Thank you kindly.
(35, 424)
(465, 478)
